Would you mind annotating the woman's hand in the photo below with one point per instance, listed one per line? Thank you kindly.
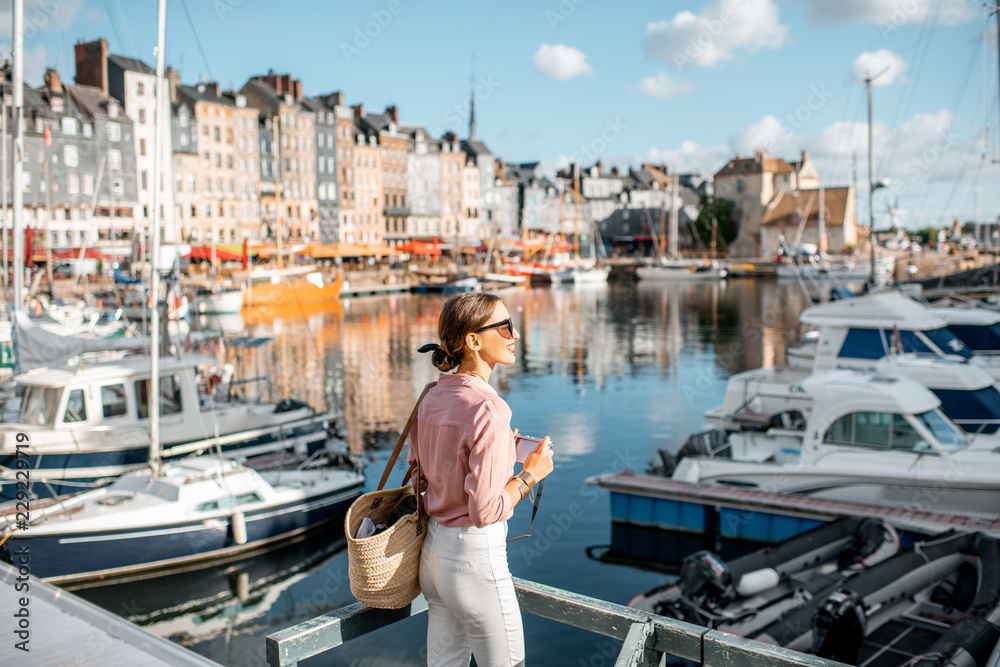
(539, 460)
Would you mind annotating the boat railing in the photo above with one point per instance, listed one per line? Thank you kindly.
(254, 380)
(646, 637)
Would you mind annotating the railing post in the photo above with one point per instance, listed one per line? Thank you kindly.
(636, 651)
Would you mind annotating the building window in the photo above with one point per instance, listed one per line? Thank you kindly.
(218, 159)
(114, 159)
(114, 132)
(73, 184)
(191, 183)
(143, 180)
(142, 91)
(217, 134)
(69, 126)
(88, 184)
(71, 156)
(229, 162)
(118, 186)
(142, 115)
(142, 147)
(184, 139)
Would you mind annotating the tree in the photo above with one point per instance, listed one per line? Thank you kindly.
(721, 211)
(928, 235)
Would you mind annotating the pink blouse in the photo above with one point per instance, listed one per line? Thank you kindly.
(462, 434)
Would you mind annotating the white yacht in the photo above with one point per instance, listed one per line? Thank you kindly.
(855, 333)
(681, 270)
(868, 439)
(197, 509)
(89, 423)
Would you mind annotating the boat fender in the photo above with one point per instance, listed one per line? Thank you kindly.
(839, 627)
(758, 581)
(238, 524)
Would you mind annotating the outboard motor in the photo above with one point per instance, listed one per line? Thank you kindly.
(705, 580)
(706, 443)
(839, 627)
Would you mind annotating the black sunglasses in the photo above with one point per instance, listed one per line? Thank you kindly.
(504, 328)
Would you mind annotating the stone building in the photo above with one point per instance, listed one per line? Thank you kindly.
(133, 83)
(326, 168)
(280, 96)
(79, 181)
(783, 217)
(503, 213)
(219, 189)
(755, 185)
(394, 144)
(423, 184)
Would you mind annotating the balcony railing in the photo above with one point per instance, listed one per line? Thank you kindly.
(647, 638)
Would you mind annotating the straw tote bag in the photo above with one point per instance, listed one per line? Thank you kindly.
(384, 569)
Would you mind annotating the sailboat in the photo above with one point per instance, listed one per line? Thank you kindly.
(585, 271)
(675, 268)
(172, 514)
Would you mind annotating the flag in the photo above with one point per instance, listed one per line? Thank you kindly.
(29, 248)
(48, 136)
(245, 257)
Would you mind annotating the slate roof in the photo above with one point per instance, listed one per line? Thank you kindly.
(132, 64)
(92, 101)
(784, 212)
(475, 147)
(206, 95)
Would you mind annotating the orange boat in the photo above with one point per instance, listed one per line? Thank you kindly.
(278, 288)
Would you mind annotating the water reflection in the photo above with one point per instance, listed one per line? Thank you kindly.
(610, 373)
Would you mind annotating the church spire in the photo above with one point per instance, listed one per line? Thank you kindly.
(472, 102)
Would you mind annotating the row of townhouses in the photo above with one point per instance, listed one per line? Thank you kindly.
(266, 159)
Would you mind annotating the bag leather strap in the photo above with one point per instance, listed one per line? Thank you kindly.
(402, 439)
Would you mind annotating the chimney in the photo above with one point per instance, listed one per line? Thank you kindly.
(359, 113)
(600, 167)
(760, 154)
(805, 156)
(92, 64)
(173, 78)
(393, 113)
(213, 88)
(297, 89)
(614, 171)
(52, 81)
(334, 99)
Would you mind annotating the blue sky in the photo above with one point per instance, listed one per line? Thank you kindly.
(687, 83)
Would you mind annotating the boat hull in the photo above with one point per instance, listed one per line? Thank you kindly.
(219, 303)
(290, 290)
(74, 557)
(67, 470)
(667, 274)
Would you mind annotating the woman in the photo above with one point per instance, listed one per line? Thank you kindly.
(463, 439)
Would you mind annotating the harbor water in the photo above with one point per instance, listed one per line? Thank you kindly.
(610, 373)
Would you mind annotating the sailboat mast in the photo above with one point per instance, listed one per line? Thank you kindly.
(17, 187)
(153, 393)
(673, 217)
(576, 218)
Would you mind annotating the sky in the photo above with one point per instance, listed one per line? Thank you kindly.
(683, 83)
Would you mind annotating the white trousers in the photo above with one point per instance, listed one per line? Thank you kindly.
(471, 605)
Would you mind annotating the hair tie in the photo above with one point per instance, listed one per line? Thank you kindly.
(440, 355)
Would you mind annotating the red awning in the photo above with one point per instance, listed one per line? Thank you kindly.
(89, 253)
(205, 252)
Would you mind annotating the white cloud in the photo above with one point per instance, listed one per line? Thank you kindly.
(558, 61)
(716, 33)
(661, 87)
(871, 63)
(889, 14)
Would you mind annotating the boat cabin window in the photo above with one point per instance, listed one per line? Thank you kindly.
(947, 342)
(864, 344)
(229, 501)
(886, 430)
(973, 411)
(947, 434)
(978, 338)
(170, 396)
(76, 407)
(39, 405)
(113, 400)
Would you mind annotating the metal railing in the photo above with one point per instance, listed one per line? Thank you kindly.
(647, 637)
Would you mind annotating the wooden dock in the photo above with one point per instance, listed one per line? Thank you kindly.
(758, 516)
(62, 629)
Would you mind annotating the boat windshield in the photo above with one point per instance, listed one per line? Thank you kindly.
(38, 407)
(974, 411)
(984, 338)
(948, 342)
(946, 433)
